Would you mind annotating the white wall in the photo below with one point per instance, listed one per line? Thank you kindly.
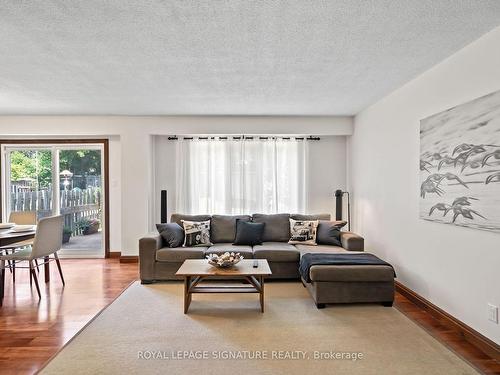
(326, 173)
(115, 193)
(164, 171)
(131, 144)
(458, 269)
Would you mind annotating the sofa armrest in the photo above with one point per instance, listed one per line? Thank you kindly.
(352, 241)
(148, 246)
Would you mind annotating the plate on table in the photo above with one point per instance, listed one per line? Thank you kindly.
(7, 225)
(23, 228)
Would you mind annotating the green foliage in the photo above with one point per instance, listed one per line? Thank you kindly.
(37, 164)
(85, 224)
(81, 162)
(34, 165)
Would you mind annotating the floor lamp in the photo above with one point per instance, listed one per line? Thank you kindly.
(339, 200)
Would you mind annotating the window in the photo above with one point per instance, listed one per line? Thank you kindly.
(229, 176)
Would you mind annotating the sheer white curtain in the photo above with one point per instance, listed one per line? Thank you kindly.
(228, 176)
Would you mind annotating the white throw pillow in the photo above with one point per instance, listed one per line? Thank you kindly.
(303, 232)
(196, 233)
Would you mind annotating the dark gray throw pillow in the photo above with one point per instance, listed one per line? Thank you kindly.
(328, 233)
(172, 234)
(248, 233)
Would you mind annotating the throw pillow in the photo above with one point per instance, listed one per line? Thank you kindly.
(172, 234)
(196, 233)
(248, 233)
(303, 232)
(329, 232)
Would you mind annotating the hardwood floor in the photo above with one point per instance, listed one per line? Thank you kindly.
(447, 336)
(32, 332)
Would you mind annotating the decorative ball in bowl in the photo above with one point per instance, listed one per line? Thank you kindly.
(225, 260)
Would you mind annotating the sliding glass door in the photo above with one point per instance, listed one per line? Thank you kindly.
(81, 197)
(29, 181)
(64, 179)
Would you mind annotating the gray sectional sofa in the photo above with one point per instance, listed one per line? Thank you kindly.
(329, 284)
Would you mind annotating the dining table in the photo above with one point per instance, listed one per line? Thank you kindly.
(9, 237)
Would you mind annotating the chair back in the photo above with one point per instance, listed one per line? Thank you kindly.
(48, 237)
(23, 217)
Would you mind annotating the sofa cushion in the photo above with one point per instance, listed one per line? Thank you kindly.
(302, 217)
(180, 254)
(223, 227)
(277, 227)
(221, 248)
(276, 252)
(248, 233)
(177, 218)
(352, 273)
(171, 233)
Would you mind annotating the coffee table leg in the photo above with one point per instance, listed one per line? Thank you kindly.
(190, 295)
(261, 279)
(187, 295)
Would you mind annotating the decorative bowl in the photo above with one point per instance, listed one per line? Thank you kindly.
(225, 260)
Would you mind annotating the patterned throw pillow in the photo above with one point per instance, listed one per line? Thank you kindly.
(196, 233)
(303, 232)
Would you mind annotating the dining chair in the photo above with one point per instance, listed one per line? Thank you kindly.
(23, 217)
(47, 241)
(19, 218)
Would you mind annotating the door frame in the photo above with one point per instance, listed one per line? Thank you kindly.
(67, 141)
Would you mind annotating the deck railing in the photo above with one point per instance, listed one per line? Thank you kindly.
(76, 204)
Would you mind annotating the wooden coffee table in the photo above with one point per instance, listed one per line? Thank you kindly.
(196, 270)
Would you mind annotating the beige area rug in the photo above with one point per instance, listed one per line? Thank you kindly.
(145, 332)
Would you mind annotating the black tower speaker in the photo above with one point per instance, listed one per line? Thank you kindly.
(163, 206)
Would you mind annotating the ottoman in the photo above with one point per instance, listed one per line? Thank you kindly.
(351, 284)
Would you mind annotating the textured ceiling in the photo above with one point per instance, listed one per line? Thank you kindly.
(224, 57)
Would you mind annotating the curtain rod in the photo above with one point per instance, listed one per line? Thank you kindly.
(310, 138)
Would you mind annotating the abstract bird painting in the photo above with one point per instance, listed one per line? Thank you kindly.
(460, 165)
